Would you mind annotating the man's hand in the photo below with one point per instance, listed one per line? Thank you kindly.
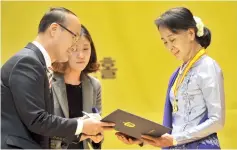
(93, 127)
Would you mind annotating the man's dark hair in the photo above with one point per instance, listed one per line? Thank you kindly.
(56, 15)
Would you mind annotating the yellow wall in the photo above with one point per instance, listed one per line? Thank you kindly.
(126, 32)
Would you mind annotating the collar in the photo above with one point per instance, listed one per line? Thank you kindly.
(44, 52)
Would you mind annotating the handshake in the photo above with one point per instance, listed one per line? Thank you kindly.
(93, 128)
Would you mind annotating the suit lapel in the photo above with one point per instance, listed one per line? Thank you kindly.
(38, 53)
(61, 94)
(87, 93)
(48, 96)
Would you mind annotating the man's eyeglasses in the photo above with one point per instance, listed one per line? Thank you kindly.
(76, 37)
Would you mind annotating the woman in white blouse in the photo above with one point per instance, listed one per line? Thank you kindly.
(195, 103)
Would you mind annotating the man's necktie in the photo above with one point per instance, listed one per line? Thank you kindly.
(50, 75)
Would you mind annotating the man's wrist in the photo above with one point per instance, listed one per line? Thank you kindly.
(79, 127)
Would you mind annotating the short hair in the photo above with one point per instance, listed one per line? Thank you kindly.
(56, 15)
(181, 18)
(92, 65)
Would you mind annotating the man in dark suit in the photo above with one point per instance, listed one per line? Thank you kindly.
(27, 119)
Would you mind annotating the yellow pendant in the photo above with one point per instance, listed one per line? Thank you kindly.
(175, 106)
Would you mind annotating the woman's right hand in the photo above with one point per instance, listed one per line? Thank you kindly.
(83, 137)
(95, 138)
(127, 139)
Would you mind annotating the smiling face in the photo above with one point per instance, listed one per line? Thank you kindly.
(180, 43)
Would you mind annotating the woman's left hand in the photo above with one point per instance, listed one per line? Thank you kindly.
(96, 138)
(165, 140)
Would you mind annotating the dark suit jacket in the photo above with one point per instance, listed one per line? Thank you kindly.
(26, 118)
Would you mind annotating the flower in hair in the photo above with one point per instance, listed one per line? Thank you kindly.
(200, 26)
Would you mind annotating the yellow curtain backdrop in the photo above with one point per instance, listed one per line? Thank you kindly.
(125, 32)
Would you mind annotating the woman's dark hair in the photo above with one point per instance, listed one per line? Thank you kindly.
(92, 65)
(181, 18)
